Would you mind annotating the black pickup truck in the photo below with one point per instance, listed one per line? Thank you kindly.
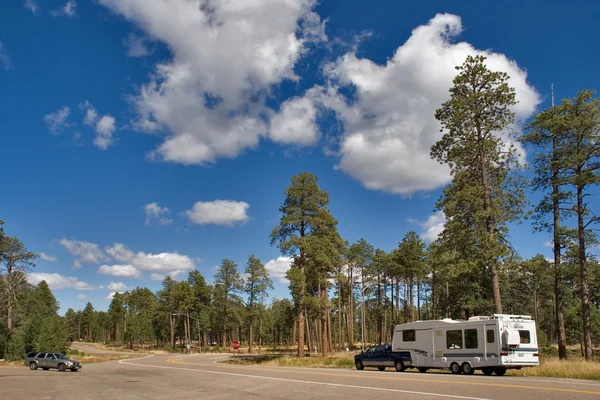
(382, 357)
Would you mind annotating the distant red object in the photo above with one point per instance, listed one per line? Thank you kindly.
(236, 345)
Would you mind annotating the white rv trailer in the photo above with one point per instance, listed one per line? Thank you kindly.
(490, 344)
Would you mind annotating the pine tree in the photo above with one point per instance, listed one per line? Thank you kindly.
(229, 286)
(258, 284)
(482, 197)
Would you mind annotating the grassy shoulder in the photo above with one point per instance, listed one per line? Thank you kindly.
(549, 367)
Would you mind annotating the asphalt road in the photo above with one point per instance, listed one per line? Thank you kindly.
(200, 377)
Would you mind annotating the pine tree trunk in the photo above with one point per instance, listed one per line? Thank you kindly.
(585, 291)
(172, 329)
(411, 301)
(294, 330)
(491, 230)
(561, 335)
(309, 341)
(260, 327)
(351, 311)
(340, 314)
(418, 299)
(379, 311)
(404, 299)
(397, 299)
(250, 338)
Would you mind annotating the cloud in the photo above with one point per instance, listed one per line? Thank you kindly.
(119, 252)
(172, 264)
(387, 111)
(57, 120)
(32, 6)
(111, 295)
(68, 10)
(57, 281)
(209, 99)
(548, 243)
(295, 122)
(86, 252)
(136, 46)
(218, 212)
(104, 132)
(122, 271)
(173, 274)
(117, 286)
(47, 257)
(81, 297)
(434, 226)
(91, 115)
(154, 211)
(5, 60)
(278, 268)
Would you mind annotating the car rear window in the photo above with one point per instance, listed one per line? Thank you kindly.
(31, 355)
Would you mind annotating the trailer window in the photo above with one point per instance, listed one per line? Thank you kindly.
(409, 336)
(471, 339)
(524, 335)
(454, 339)
(491, 338)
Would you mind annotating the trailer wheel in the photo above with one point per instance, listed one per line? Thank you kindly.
(399, 365)
(467, 369)
(359, 365)
(422, 369)
(487, 371)
(500, 371)
(455, 368)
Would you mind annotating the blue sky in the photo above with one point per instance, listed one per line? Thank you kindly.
(123, 122)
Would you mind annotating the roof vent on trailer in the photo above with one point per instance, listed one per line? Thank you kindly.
(479, 318)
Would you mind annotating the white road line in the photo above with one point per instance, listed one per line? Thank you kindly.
(302, 381)
(492, 379)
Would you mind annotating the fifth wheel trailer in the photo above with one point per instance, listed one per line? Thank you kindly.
(491, 344)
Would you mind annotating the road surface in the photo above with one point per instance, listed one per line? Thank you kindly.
(200, 377)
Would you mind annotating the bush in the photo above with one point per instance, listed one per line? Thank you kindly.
(206, 349)
(171, 349)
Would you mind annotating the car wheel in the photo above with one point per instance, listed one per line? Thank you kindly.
(455, 368)
(62, 367)
(33, 365)
(359, 365)
(399, 365)
(74, 370)
(487, 371)
(422, 369)
(467, 369)
(381, 368)
(500, 371)
(45, 369)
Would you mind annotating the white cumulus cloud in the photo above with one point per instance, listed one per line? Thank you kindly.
(117, 286)
(86, 252)
(111, 295)
(68, 10)
(122, 271)
(136, 46)
(119, 252)
(278, 268)
(155, 212)
(295, 122)
(57, 120)
(56, 281)
(47, 257)
(434, 226)
(209, 98)
(32, 6)
(218, 212)
(104, 132)
(388, 120)
(81, 297)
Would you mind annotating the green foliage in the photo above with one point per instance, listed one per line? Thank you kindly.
(52, 335)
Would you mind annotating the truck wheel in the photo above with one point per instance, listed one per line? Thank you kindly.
(487, 371)
(33, 365)
(62, 367)
(381, 368)
(359, 365)
(422, 369)
(467, 369)
(500, 371)
(399, 365)
(455, 368)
